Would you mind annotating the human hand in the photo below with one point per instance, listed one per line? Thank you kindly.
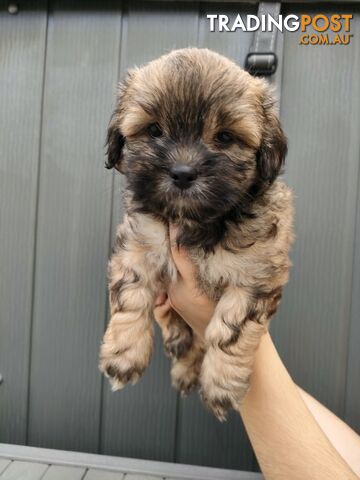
(273, 410)
(183, 295)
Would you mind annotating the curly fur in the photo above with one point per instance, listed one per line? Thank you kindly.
(235, 220)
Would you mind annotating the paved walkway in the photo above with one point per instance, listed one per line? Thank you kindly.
(29, 463)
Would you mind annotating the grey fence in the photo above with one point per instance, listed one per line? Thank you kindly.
(59, 64)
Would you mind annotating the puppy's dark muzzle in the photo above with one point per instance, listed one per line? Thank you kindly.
(183, 175)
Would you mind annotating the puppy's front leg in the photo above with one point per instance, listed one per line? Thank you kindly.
(128, 340)
(232, 338)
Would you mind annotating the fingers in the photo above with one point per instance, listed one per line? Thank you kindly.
(173, 230)
(160, 299)
(162, 310)
(181, 258)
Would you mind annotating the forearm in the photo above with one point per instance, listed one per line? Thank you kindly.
(287, 440)
(341, 436)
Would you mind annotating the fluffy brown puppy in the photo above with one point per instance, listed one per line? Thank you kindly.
(201, 146)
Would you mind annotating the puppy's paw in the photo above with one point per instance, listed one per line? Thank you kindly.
(178, 340)
(125, 364)
(219, 404)
(185, 371)
(184, 378)
(119, 377)
(219, 399)
(223, 384)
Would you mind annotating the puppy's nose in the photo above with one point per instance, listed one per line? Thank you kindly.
(183, 175)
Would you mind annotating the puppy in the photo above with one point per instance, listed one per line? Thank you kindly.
(200, 144)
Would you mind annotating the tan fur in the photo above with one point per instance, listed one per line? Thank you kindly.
(244, 272)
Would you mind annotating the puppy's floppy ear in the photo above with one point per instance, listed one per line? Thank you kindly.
(273, 148)
(115, 143)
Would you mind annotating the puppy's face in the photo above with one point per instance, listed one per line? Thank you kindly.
(195, 136)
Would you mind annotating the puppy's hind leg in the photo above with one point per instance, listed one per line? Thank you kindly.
(184, 348)
(177, 335)
(185, 371)
(232, 338)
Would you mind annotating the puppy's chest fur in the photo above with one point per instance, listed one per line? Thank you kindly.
(252, 255)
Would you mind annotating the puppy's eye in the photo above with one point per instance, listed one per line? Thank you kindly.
(224, 138)
(154, 130)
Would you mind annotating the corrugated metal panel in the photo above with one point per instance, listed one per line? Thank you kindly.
(73, 228)
(352, 410)
(22, 46)
(318, 113)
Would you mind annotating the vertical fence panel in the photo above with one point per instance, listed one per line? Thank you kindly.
(73, 227)
(140, 421)
(22, 46)
(318, 114)
(352, 411)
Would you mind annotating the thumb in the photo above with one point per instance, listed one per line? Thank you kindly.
(181, 258)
